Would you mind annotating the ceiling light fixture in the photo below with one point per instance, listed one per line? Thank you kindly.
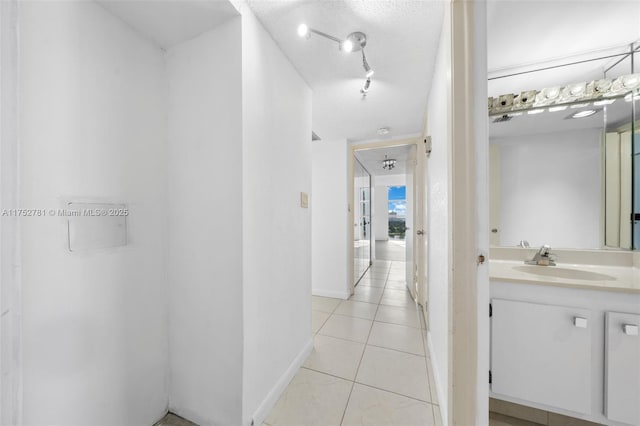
(354, 42)
(383, 131)
(388, 163)
(583, 114)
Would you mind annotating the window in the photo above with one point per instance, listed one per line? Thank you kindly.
(397, 211)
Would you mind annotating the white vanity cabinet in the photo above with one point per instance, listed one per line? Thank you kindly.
(622, 367)
(571, 351)
(542, 353)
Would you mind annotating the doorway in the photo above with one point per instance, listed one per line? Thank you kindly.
(386, 209)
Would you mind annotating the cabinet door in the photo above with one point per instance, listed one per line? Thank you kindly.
(542, 354)
(622, 376)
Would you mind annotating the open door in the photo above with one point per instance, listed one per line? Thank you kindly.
(414, 231)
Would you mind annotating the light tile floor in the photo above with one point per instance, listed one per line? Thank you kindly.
(369, 365)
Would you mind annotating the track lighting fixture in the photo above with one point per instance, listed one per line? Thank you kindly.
(352, 43)
(367, 69)
(365, 86)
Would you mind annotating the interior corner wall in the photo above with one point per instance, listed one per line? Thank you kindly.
(276, 169)
(205, 222)
(439, 214)
(329, 201)
(92, 126)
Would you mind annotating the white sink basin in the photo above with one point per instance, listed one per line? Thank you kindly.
(557, 272)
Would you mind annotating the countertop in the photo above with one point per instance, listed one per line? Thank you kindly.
(593, 277)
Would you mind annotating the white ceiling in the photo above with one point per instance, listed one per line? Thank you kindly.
(402, 42)
(168, 23)
(372, 159)
(522, 35)
(529, 35)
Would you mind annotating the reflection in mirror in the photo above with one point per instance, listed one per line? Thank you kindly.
(362, 221)
(563, 173)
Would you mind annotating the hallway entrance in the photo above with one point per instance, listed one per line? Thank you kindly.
(369, 364)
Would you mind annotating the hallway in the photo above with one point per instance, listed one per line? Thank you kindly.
(391, 249)
(368, 365)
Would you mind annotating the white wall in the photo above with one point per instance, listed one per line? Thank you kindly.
(438, 182)
(276, 166)
(329, 219)
(550, 189)
(92, 125)
(205, 223)
(380, 218)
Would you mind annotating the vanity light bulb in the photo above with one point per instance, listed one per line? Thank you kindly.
(631, 81)
(577, 89)
(551, 92)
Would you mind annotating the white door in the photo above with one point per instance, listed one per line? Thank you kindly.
(410, 222)
(422, 240)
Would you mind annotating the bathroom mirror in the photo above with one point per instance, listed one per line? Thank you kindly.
(563, 175)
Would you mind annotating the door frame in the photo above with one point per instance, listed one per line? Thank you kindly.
(10, 292)
(350, 193)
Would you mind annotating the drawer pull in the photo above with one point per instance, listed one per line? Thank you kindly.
(630, 329)
(580, 322)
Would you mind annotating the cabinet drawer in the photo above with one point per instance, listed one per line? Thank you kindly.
(622, 368)
(542, 353)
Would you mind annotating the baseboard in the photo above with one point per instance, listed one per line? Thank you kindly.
(263, 410)
(442, 402)
(330, 293)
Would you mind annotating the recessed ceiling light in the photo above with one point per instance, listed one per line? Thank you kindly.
(582, 105)
(558, 108)
(383, 131)
(583, 114)
(604, 102)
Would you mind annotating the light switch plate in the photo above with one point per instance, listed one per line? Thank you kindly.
(304, 200)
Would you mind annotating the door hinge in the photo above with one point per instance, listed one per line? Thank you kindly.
(428, 145)
(490, 310)
(490, 377)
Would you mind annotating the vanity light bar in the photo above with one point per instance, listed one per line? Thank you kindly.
(577, 94)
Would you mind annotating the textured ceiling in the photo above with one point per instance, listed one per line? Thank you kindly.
(372, 159)
(402, 42)
(167, 22)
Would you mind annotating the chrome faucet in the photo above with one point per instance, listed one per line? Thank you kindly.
(542, 257)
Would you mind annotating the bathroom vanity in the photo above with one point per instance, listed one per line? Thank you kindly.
(566, 338)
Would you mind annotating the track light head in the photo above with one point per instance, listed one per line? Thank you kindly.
(303, 31)
(365, 65)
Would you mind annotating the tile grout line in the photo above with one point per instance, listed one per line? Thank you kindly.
(397, 393)
(353, 383)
